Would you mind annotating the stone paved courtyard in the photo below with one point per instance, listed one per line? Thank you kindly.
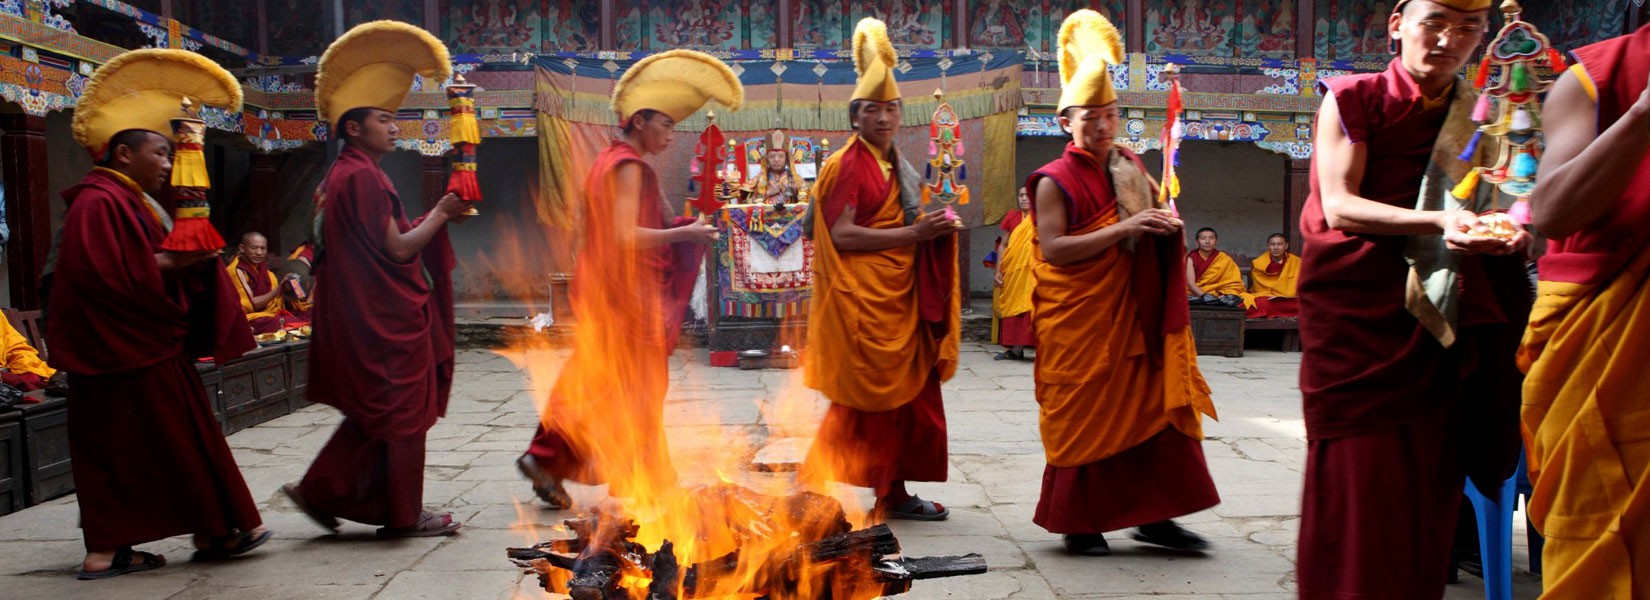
(717, 418)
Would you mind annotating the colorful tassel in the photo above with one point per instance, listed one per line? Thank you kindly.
(1521, 120)
(1520, 78)
(1468, 185)
(1471, 150)
(960, 149)
(933, 149)
(1483, 73)
(1481, 109)
(1524, 165)
(192, 229)
(1520, 212)
(962, 172)
(928, 171)
(1555, 60)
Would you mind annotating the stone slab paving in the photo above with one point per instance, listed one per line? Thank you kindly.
(718, 420)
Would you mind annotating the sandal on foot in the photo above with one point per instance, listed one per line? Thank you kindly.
(917, 509)
(231, 546)
(1009, 355)
(429, 525)
(326, 521)
(1086, 544)
(126, 561)
(546, 486)
(1171, 535)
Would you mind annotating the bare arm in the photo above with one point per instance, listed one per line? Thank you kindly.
(1060, 249)
(1191, 277)
(1341, 164)
(627, 202)
(1584, 171)
(847, 235)
(259, 302)
(402, 247)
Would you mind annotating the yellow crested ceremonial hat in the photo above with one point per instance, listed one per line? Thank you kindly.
(874, 61)
(372, 66)
(677, 83)
(145, 89)
(1461, 5)
(1088, 43)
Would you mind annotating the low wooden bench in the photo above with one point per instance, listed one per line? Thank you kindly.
(1218, 330)
(1290, 326)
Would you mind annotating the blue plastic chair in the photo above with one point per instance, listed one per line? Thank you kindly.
(1495, 532)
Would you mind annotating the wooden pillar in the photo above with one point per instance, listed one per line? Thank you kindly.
(28, 205)
(266, 207)
(787, 31)
(959, 25)
(263, 29)
(432, 17)
(1297, 184)
(434, 178)
(609, 16)
(1305, 28)
(1134, 32)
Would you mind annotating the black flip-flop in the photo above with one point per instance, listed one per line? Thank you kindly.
(122, 564)
(917, 509)
(424, 529)
(244, 542)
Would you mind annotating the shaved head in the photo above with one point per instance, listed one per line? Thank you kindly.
(254, 247)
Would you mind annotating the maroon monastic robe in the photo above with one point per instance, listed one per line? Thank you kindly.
(1085, 499)
(1394, 420)
(907, 443)
(606, 413)
(149, 459)
(256, 276)
(382, 351)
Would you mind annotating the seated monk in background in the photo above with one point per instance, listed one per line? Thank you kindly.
(260, 297)
(23, 368)
(296, 283)
(1272, 280)
(1212, 277)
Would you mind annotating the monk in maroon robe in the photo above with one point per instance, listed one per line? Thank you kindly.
(382, 351)
(256, 283)
(1395, 418)
(128, 321)
(631, 285)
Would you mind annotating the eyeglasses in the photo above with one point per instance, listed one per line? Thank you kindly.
(1443, 28)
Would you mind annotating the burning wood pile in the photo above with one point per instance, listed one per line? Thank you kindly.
(743, 545)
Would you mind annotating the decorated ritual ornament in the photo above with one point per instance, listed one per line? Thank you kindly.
(945, 149)
(465, 134)
(1509, 115)
(706, 170)
(1173, 131)
(192, 229)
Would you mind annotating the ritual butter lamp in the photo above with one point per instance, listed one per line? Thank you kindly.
(465, 133)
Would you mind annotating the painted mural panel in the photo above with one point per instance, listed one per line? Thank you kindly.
(1571, 25)
(761, 24)
(911, 23)
(482, 26)
(1000, 23)
(1351, 30)
(627, 26)
(703, 24)
(406, 11)
(572, 26)
(1198, 27)
(1265, 29)
(819, 24)
(296, 27)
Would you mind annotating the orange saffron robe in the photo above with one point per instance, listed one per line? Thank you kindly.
(1112, 376)
(1586, 419)
(1272, 287)
(1219, 275)
(882, 334)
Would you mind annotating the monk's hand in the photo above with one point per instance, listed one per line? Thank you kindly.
(997, 278)
(168, 260)
(1155, 221)
(698, 232)
(931, 225)
(1457, 226)
(451, 208)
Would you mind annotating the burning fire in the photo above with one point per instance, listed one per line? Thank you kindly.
(712, 530)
